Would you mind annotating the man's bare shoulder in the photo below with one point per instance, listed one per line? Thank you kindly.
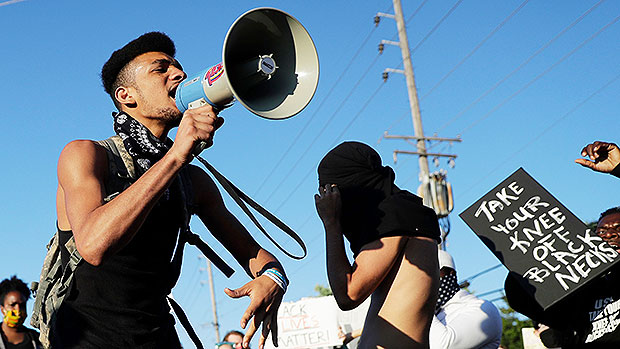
(80, 157)
(80, 147)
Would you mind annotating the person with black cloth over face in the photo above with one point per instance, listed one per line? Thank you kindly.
(394, 240)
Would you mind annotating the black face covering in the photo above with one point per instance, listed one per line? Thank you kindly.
(448, 287)
(372, 206)
(141, 144)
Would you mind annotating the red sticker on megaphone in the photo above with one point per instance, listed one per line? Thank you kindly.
(214, 73)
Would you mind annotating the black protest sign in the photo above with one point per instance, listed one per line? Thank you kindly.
(538, 239)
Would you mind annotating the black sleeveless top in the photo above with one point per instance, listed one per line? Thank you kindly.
(121, 303)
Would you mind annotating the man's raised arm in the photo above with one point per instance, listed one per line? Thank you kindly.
(101, 230)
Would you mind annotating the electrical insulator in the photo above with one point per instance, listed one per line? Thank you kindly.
(436, 161)
(436, 193)
(381, 47)
(377, 20)
(451, 163)
(385, 76)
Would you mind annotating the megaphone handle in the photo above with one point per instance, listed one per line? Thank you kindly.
(202, 145)
(199, 148)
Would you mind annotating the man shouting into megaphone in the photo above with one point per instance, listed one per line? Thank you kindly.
(126, 220)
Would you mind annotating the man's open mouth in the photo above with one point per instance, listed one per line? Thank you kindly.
(173, 92)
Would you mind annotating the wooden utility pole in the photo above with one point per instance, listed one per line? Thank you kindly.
(414, 106)
(428, 180)
(411, 88)
(216, 324)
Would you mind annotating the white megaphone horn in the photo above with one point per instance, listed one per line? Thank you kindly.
(269, 64)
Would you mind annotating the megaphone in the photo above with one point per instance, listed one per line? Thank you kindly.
(269, 64)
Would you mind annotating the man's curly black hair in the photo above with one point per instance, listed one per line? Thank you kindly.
(113, 73)
(13, 284)
(609, 211)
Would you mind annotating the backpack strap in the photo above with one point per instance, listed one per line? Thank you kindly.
(118, 148)
(121, 169)
(53, 286)
(185, 322)
(187, 236)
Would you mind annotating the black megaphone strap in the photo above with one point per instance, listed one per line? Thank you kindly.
(240, 196)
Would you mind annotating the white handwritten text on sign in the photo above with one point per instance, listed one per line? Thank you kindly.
(535, 236)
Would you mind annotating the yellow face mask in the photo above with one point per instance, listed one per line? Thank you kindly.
(14, 318)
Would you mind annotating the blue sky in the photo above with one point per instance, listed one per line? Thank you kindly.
(522, 97)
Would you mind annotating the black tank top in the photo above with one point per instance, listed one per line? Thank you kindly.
(121, 303)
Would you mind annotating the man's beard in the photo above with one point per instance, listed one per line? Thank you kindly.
(171, 116)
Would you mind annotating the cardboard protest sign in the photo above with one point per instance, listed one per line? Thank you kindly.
(313, 323)
(538, 239)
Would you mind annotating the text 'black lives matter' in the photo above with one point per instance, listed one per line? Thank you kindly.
(540, 241)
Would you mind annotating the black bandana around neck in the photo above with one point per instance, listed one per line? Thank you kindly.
(448, 287)
(141, 144)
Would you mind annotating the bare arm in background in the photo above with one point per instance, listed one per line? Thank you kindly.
(603, 157)
(352, 284)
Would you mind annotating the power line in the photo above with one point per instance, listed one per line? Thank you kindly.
(482, 272)
(10, 2)
(339, 137)
(493, 32)
(364, 42)
(347, 127)
(527, 61)
(197, 295)
(540, 75)
(301, 132)
(436, 26)
(498, 298)
(191, 280)
(331, 118)
(480, 44)
(416, 11)
(554, 124)
(490, 292)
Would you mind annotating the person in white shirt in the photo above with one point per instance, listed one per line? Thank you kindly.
(461, 319)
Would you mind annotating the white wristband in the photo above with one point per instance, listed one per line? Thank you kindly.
(277, 280)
